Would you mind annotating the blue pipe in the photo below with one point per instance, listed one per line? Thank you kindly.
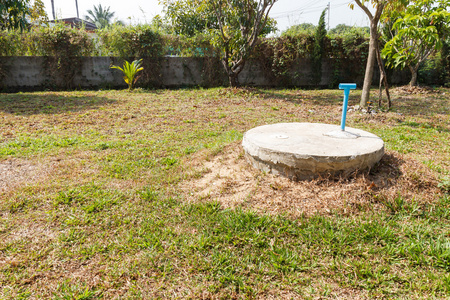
(346, 87)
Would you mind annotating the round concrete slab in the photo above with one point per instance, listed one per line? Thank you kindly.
(307, 150)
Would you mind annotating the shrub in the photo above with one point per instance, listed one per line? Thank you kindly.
(63, 48)
(196, 46)
(131, 41)
(11, 43)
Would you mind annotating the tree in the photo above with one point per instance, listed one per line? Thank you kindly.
(417, 33)
(241, 22)
(304, 28)
(318, 50)
(189, 17)
(38, 13)
(340, 29)
(343, 29)
(158, 24)
(379, 6)
(100, 16)
(233, 26)
(13, 14)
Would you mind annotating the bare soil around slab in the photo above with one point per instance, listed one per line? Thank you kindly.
(231, 180)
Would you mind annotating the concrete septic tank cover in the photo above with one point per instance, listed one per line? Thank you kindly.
(303, 151)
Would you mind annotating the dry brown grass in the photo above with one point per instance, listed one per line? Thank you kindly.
(120, 143)
(231, 180)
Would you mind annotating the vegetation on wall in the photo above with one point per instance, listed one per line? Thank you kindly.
(63, 48)
(347, 54)
(279, 56)
(233, 27)
(134, 42)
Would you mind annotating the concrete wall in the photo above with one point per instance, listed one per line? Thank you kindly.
(29, 73)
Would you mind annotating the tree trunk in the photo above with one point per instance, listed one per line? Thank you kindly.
(234, 80)
(413, 81)
(369, 66)
(233, 73)
(383, 79)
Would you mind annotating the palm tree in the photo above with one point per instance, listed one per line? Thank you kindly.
(100, 17)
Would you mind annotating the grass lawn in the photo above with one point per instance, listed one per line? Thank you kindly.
(118, 195)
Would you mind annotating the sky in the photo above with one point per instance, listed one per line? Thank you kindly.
(285, 12)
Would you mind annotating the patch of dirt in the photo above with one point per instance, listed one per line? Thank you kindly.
(18, 173)
(417, 90)
(231, 180)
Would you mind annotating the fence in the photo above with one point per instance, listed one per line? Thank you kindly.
(20, 73)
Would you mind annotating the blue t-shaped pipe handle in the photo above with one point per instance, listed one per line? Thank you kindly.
(346, 87)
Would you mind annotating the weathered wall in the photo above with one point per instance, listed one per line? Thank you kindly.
(31, 73)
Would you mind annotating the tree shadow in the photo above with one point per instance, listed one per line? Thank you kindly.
(51, 103)
(313, 97)
(426, 125)
(421, 105)
(429, 104)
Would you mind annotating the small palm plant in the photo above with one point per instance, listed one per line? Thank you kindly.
(130, 71)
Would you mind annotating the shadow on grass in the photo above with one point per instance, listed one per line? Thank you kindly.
(425, 125)
(387, 168)
(52, 103)
(314, 97)
(421, 105)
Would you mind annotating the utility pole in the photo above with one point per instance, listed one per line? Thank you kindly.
(329, 9)
(76, 4)
(53, 10)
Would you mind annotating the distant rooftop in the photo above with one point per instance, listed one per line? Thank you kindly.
(77, 22)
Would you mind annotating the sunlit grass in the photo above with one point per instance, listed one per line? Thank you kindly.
(93, 207)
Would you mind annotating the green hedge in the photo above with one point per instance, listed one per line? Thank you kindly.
(143, 41)
(59, 40)
(348, 53)
(130, 41)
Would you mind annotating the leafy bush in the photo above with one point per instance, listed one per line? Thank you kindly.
(63, 48)
(10, 43)
(196, 46)
(300, 29)
(348, 53)
(64, 41)
(131, 41)
(430, 71)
